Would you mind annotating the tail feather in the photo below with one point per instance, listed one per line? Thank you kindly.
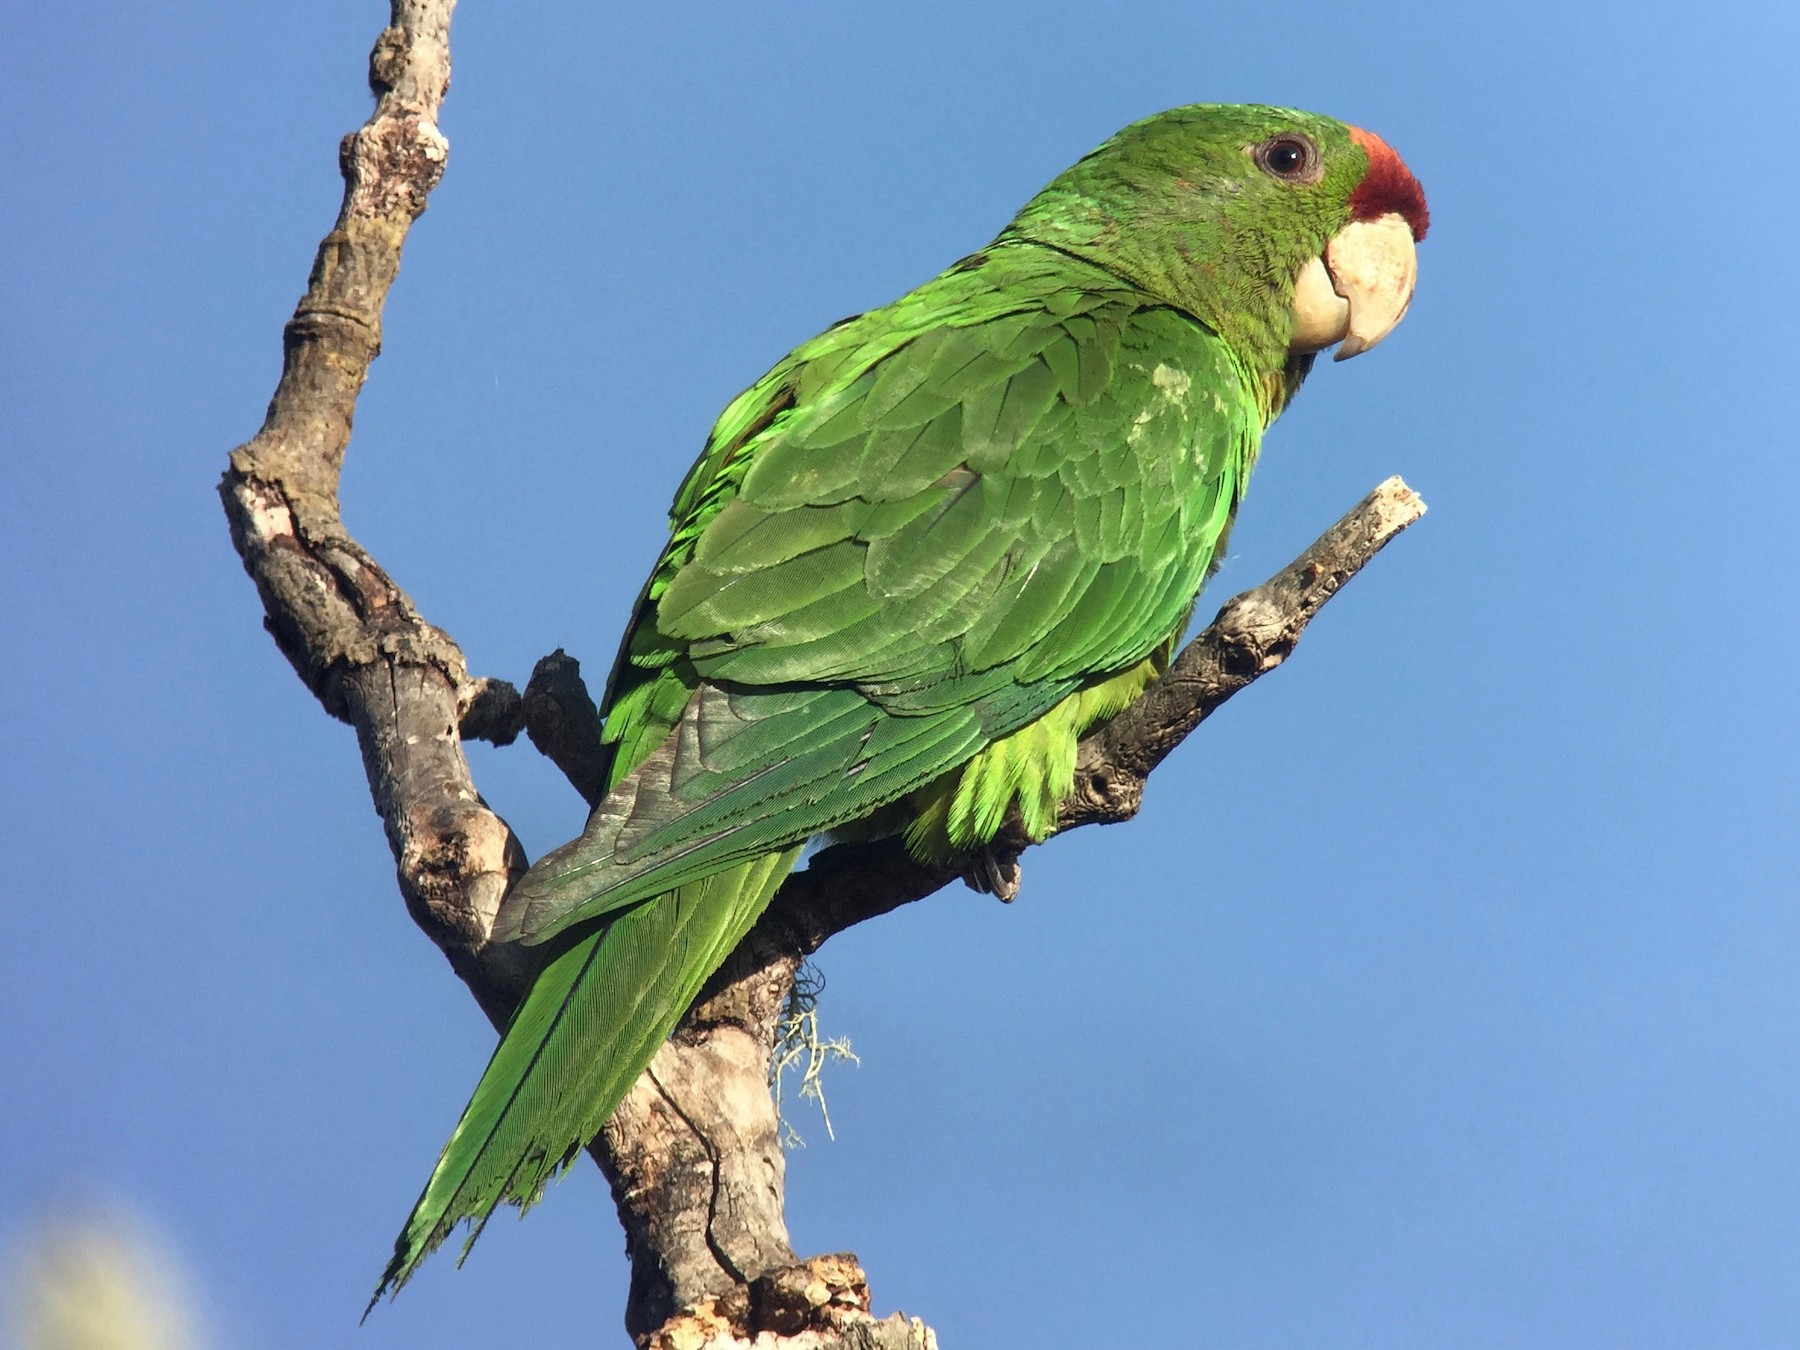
(595, 1017)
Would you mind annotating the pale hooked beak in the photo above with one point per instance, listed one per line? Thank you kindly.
(1359, 290)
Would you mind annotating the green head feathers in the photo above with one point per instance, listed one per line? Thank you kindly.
(1216, 208)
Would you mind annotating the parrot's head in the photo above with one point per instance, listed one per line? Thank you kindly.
(1284, 231)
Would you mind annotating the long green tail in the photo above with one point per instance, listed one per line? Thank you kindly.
(596, 1016)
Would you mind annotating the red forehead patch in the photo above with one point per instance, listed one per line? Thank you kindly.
(1388, 186)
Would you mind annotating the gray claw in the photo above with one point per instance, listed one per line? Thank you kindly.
(995, 872)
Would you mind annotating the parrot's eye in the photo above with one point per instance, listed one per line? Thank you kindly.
(1289, 157)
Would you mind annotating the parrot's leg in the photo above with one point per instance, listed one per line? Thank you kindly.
(994, 870)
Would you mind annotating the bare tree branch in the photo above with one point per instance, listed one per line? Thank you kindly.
(353, 636)
(693, 1154)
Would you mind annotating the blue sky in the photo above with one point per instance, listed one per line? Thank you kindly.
(1445, 992)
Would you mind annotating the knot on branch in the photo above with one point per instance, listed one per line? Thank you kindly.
(390, 167)
(387, 60)
(1103, 790)
(821, 1304)
(1244, 655)
(816, 1294)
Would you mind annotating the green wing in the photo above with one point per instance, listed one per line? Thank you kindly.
(920, 532)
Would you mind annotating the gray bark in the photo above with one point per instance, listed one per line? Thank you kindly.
(693, 1154)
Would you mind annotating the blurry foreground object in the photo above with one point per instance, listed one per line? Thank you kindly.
(99, 1280)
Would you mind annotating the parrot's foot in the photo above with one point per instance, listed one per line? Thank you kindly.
(994, 870)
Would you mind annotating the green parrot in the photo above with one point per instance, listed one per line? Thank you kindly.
(915, 562)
